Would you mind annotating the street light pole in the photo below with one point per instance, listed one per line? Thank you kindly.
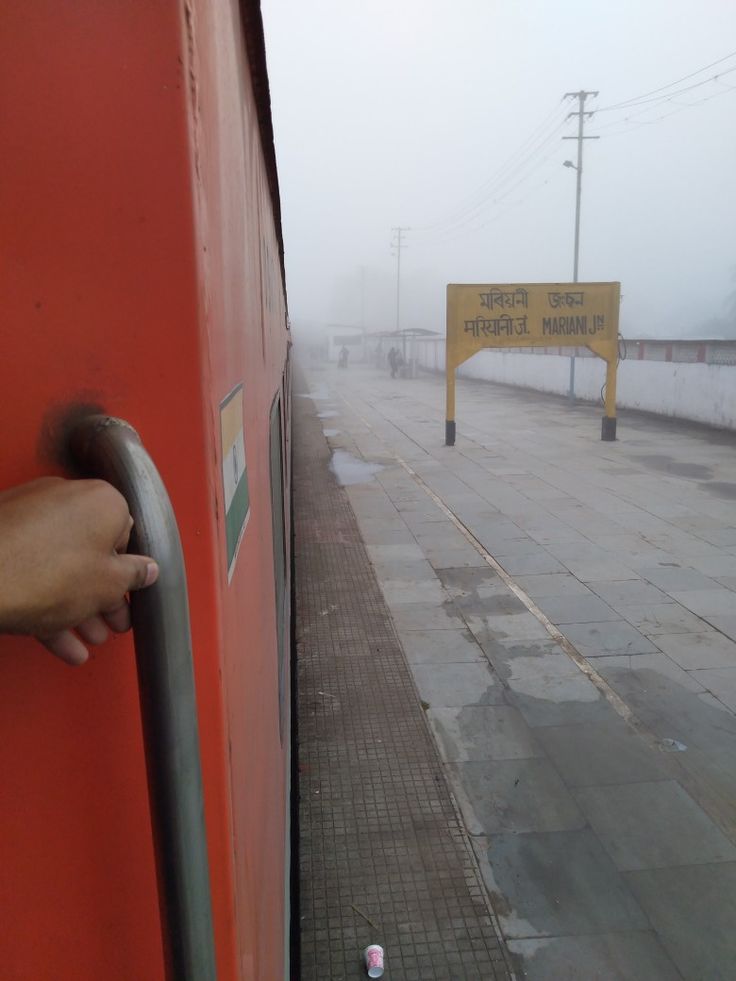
(581, 114)
(400, 231)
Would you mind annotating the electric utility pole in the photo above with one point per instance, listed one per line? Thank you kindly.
(399, 231)
(581, 114)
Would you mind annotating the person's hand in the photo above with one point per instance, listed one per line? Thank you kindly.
(63, 566)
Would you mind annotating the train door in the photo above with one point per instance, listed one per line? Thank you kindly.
(137, 195)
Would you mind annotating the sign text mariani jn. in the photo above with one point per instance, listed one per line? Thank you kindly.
(516, 316)
(533, 315)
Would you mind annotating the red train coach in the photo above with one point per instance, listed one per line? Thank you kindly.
(144, 812)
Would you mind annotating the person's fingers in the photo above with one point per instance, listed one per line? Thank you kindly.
(136, 571)
(93, 631)
(67, 646)
(118, 618)
(122, 543)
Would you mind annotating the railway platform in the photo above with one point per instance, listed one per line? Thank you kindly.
(383, 854)
(559, 614)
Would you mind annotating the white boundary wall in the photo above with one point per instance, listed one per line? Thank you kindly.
(699, 392)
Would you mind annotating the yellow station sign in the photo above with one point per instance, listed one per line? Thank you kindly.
(513, 315)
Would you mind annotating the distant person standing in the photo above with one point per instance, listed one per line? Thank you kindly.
(395, 361)
(344, 355)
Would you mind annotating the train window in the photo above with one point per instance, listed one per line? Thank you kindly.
(279, 550)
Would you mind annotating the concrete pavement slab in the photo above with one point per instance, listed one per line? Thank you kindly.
(426, 616)
(541, 675)
(663, 618)
(592, 570)
(726, 625)
(621, 594)
(496, 526)
(493, 601)
(703, 650)
(440, 646)
(453, 557)
(482, 732)
(607, 637)
(672, 710)
(501, 651)
(715, 564)
(418, 513)
(677, 579)
(377, 531)
(444, 534)
(466, 580)
(693, 910)
(652, 825)
(606, 753)
(550, 533)
(721, 682)
(586, 550)
(538, 563)
(622, 956)
(507, 548)
(514, 627)
(708, 602)
(645, 560)
(515, 796)
(417, 570)
(658, 670)
(547, 695)
(402, 552)
(556, 884)
(552, 584)
(456, 684)
(399, 592)
(576, 609)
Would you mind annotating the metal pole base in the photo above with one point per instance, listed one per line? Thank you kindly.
(608, 429)
(449, 432)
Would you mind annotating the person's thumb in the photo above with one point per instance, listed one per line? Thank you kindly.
(137, 571)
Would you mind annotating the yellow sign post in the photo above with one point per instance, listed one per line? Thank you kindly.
(533, 315)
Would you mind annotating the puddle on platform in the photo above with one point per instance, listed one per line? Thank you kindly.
(350, 470)
(331, 432)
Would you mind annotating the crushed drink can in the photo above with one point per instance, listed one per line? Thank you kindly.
(374, 961)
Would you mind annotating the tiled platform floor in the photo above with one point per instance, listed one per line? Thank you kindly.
(565, 608)
(383, 855)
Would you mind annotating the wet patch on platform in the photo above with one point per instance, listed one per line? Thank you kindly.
(721, 488)
(349, 469)
(668, 464)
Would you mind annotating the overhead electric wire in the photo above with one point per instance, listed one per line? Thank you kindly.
(472, 211)
(636, 123)
(494, 216)
(640, 99)
(492, 189)
(507, 170)
(554, 116)
(499, 193)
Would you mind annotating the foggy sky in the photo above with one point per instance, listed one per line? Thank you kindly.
(403, 112)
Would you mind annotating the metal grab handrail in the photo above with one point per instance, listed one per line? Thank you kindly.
(110, 449)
